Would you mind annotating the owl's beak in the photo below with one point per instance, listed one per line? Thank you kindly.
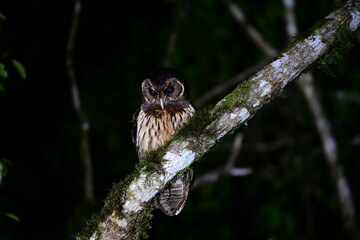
(161, 103)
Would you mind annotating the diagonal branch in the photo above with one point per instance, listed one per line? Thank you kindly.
(127, 208)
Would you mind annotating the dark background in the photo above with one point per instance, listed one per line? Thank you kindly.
(289, 195)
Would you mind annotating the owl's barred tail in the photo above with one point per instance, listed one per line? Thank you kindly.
(172, 200)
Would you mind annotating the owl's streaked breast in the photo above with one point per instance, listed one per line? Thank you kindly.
(153, 130)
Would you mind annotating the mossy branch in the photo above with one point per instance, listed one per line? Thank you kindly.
(127, 210)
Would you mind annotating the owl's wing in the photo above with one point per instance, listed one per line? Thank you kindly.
(172, 200)
(134, 129)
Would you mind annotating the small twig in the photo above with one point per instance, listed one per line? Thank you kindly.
(228, 169)
(238, 139)
(84, 121)
(180, 19)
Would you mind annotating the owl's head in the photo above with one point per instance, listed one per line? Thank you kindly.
(164, 88)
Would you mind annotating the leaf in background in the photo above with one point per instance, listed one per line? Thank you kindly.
(2, 89)
(12, 216)
(20, 68)
(3, 72)
(3, 170)
(2, 16)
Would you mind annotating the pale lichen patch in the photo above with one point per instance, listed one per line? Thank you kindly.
(315, 43)
(142, 190)
(264, 87)
(178, 161)
(237, 116)
(233, 115)
(258, 75)
(263, 83)
(241, 113)
(256, 103)
(279, 62)
(122, 223)
(244, 114)
(355, 22)
(229, 121)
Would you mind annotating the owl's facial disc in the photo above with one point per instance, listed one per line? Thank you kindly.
(162, 93)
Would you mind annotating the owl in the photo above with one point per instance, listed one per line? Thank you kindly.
(164, 110)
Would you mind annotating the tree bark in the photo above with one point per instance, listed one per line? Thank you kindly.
(128, 207)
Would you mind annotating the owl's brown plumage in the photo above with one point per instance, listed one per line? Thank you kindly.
(165, 109)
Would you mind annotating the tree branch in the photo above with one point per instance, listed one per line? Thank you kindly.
(307, 87)
(84, 121)
(228, 169)
(258, 39)
(329, 145)
(128, 206)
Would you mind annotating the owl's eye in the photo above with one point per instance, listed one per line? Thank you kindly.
(152, 92)
(169, 90)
